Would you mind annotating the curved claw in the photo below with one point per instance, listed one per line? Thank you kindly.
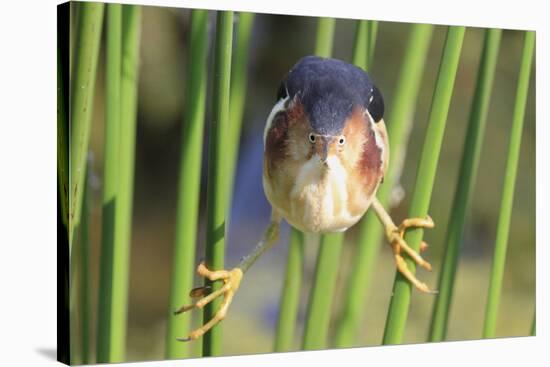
(395, 237)
(183, 309)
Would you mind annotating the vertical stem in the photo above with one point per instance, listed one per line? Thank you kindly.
(325, 35)
(217, 173)
(318, 314)
(361, 44)
(370, 231)
(290, 299)
(365, 40)
(503, 228)
(399, 306)
(320, 301)
(81, 95)
(372, 32)
(86, 51)
(131, 29)
(110, 177)
(238, 93)
(115, 350)
(467, 177)
(183, 262)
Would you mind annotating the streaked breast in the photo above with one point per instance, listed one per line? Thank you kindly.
(319, 199)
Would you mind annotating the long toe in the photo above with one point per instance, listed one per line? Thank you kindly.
(231, 280)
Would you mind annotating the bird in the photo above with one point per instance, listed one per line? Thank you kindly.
(326, 152)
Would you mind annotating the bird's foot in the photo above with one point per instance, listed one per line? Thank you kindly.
(397, 243)
(231, 281)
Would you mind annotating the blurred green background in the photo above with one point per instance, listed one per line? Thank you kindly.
(277, 43)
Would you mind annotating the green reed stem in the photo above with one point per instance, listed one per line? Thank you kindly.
(110, 178)
(239, 79)
(320, 300)
(325, 35)
(399, 306)
(466, 181)
(400, 121)
(131, 29)
(119, 256)
(217, 190)
(361, 44)
(86, 52)
(322, 293)
(372, 33)
(183, 261)
(503, 227)
(290, 296)
(290, 299)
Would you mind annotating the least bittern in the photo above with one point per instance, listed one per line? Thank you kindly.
(325, 154)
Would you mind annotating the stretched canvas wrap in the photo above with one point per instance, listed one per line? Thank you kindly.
(235, 183)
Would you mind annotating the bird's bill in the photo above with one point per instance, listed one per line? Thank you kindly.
(325, 146)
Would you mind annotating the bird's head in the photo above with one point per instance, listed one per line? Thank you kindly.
(326, 109)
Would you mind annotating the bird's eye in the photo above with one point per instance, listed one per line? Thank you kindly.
(342, 140)
(311, 138)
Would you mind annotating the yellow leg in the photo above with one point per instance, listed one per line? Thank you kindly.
(395, 235)
(231, 280)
